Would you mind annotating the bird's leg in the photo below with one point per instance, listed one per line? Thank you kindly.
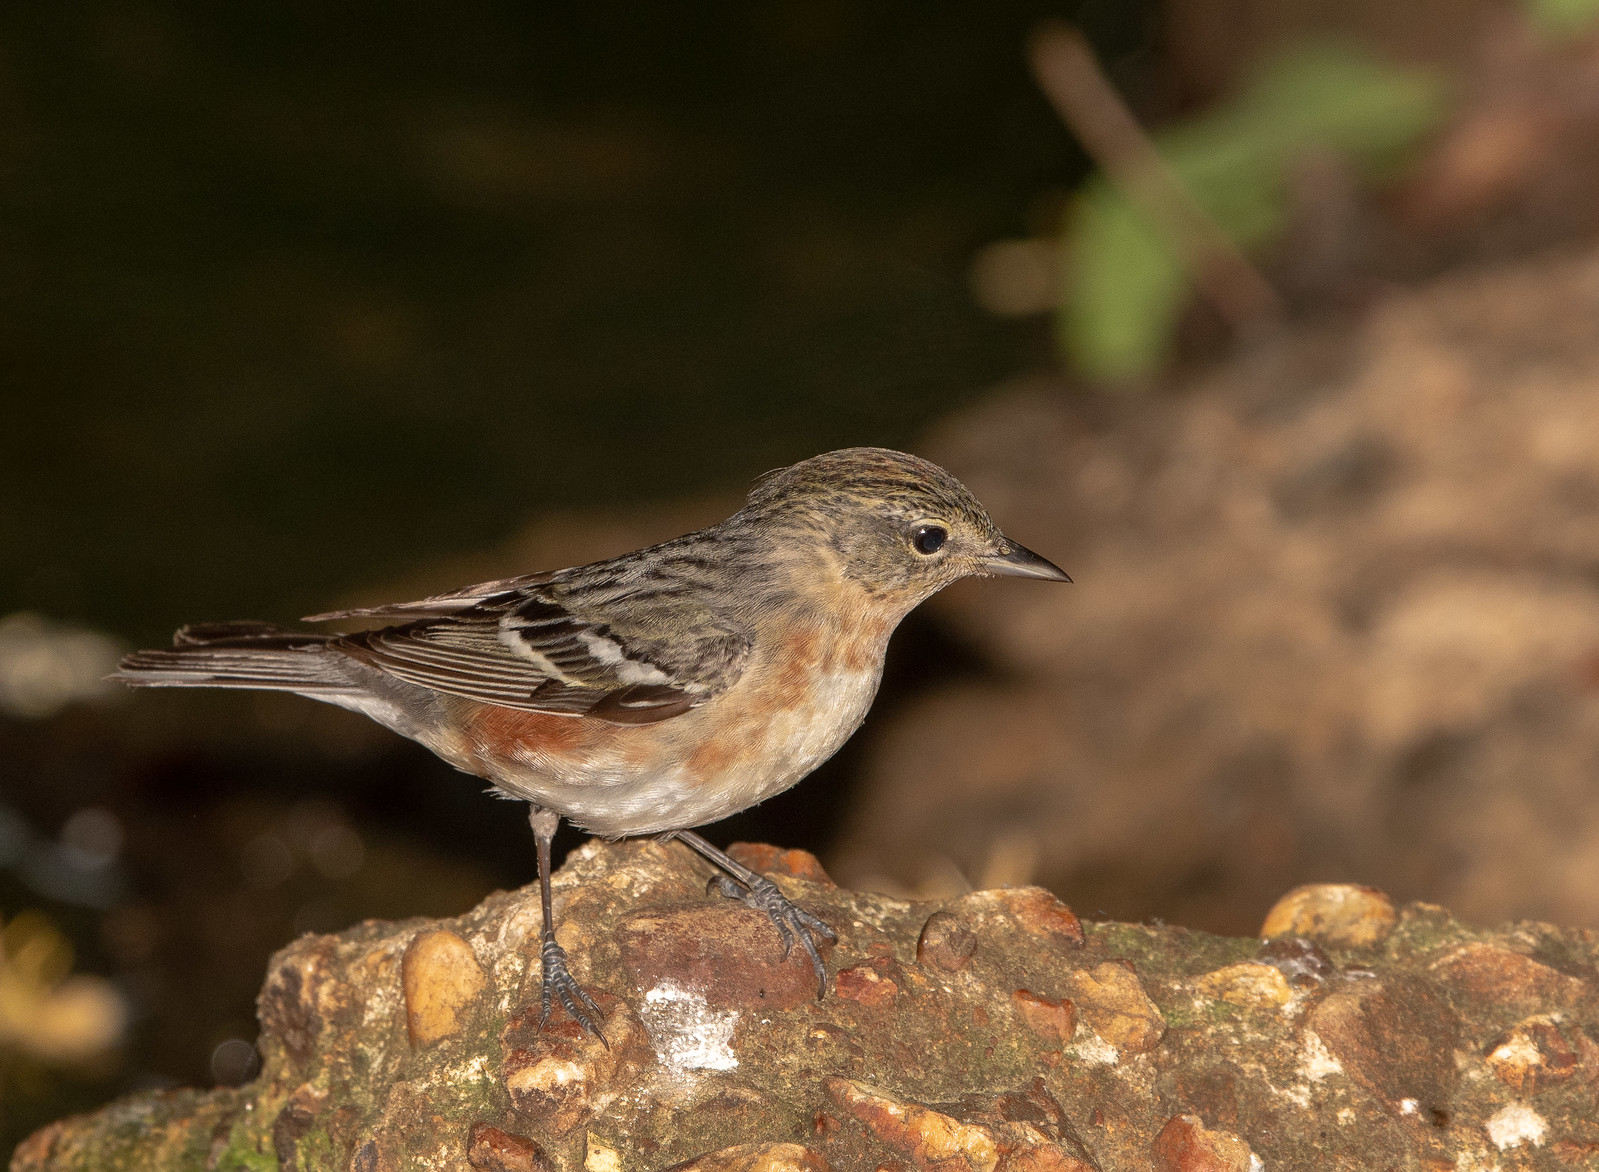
(762, 894)
(558, 981)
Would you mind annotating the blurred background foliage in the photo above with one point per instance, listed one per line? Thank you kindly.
(306, 303)
(1125, 280)
(1562, 19)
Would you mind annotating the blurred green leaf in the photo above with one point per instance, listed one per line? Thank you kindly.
(1124, 281)
(1560, 20)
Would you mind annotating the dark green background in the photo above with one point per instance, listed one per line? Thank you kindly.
(299, 295)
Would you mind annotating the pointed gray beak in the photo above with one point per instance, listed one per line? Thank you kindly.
(1017, 561)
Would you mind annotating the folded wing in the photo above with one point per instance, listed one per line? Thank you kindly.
(561, 647)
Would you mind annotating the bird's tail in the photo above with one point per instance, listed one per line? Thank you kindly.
(239, 655)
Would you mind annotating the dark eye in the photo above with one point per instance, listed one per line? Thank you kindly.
(929, 539)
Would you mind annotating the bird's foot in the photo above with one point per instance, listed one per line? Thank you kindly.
(791, 921)
(559, 984)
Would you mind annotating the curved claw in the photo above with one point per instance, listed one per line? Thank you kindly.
(558, 983)
(790, 920)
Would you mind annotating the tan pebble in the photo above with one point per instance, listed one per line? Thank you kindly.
(441, 978)
(928, 1137)
(945, 943)
(1053, 1021)
(599, 1156)
(1249, 984)
(1111, 1001)
(1185, 1144)
(758, 1157)
(1338, 914)
(488, 1149)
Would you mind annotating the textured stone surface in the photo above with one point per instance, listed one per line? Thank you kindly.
(989, 1033)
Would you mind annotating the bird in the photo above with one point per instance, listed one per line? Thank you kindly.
(657, 691)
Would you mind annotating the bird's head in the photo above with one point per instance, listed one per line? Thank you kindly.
(895, 524)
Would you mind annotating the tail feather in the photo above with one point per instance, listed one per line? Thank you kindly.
(238, 655)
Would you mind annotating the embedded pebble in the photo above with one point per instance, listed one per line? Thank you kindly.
(945, 943)
(1185, 1144)
(1053, 1021)
(1250, 984)
(1111, 1001)
(488, 1149)
(757, 1157)
(442, 979)
(1339, 915)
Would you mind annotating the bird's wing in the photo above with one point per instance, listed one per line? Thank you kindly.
(570, 644)
(436, 605)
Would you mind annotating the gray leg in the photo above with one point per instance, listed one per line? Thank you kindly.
(761, 893)
(558, 981)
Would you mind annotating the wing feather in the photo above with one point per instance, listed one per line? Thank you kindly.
(564, 647)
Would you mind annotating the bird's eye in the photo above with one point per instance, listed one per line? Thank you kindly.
(929, 539)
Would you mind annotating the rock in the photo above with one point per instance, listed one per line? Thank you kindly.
(924, 1137)
(599, 1156)
(725, 951)
(1111, 1001)
(1542, 1052)
(868, 984)
(1251, 984)
(1396, 1035)
(777, 1157)
(986, 1137)
(1041, 913)
(770, 860)
(1495, 973)
(1338, 915)
(1053, 1021)
(441, 979)
(1031, 911)
(945, 943)
(562, 1074)
(1186, 1145)
(1039, 1052)
(1300, 961)
(488, 1149)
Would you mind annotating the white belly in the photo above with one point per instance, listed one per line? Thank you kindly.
(751, 761)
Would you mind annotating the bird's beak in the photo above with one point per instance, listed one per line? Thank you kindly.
(1017, 561)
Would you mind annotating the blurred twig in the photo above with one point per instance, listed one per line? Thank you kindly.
(1067, 72)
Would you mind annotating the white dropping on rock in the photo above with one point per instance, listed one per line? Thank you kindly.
(1318, 1061)
(1095, 1051)
(1514, 1125)
(689, 1034)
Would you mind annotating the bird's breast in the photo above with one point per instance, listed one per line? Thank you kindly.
(798, 700)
